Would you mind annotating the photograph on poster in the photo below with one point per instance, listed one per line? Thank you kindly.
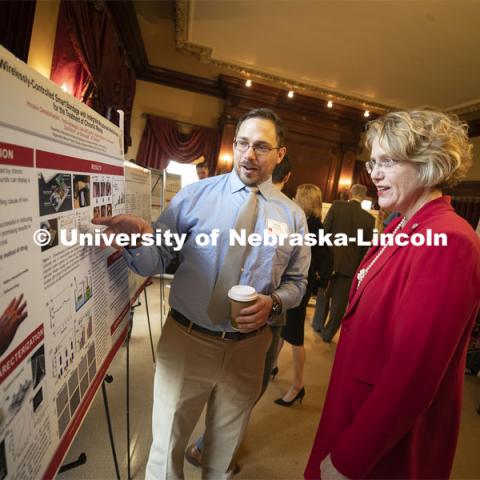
(38, 366)
(96, 189)
(109, 209)
(74, 391)
(55, 192)
(81, 191)
(37, 400)
(3, 461)
(63, 420)
(103, 210)
(103, 189)
(96, 212)
(11, 318)
(52, 227)
(63, 413)
(108, 189)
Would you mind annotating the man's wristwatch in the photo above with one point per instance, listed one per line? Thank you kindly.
(276, 305)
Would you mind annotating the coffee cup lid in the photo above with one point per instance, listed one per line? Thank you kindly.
(242, 293)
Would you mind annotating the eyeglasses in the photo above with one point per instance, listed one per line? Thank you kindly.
(258, 148)
(387, 164)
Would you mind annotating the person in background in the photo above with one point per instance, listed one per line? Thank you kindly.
(193, 454)
(202, 170)
(282, 173)
(202, 359)
(395, 395)
(309, 197)
(347, 218)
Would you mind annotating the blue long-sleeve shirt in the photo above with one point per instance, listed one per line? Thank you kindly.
(214, 203)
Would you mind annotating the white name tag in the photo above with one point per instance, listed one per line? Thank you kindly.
(275, 227)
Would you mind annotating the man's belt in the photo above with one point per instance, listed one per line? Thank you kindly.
(182, 320)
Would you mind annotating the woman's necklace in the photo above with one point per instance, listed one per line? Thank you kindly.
(363, 271)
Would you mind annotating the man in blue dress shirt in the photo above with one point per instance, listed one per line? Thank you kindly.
(201, 362)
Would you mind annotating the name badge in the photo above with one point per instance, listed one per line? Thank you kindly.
(275, 227)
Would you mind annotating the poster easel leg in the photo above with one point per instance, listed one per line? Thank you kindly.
(109, 379)
(82, 459)
(148, 320)
(128, 400)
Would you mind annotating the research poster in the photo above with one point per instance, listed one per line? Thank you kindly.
(161, 200)
(62, 308)
(138, 200)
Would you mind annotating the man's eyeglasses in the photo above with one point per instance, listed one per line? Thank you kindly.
(258, 148)
(384, 165)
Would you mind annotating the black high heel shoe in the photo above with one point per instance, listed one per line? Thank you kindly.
(274, 372)
(299, 396)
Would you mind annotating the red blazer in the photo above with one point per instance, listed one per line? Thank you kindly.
(395, 395)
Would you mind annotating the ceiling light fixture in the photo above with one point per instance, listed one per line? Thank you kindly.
(330, 104)
(248, 83)
(366, 113)
(290, 94)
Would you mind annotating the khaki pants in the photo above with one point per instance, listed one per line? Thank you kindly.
(192, 370)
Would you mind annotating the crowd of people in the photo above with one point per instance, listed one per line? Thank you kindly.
(406, 312)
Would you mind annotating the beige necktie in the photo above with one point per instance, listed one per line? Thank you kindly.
(229, 275)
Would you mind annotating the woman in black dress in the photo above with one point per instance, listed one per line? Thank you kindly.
(309, 197)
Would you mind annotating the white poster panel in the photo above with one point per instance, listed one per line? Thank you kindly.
(173, 184)
(62, 308)
(138, 200)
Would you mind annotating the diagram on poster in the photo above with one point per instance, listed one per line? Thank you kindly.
(62, 307)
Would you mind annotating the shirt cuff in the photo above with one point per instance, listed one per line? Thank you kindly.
(133, 254)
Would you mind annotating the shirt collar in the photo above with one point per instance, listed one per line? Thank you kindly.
(266, 188)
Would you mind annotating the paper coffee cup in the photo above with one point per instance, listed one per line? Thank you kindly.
(240, 296)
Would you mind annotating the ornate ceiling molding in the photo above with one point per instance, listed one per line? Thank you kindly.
(466, 109)
(205, 55)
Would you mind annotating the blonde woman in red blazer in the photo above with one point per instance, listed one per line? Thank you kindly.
(395, 395)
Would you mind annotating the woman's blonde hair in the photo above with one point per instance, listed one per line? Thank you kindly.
(437, 142)
(309, 197)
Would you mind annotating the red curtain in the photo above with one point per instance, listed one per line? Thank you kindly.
(88, 58)
(163, 141)
(16, 23)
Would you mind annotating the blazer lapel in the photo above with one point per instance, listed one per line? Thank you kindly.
(390, 251)
(437, 205)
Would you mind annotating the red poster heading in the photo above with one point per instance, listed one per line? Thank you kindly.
(15, 155)
(55, 161)
(12, 361)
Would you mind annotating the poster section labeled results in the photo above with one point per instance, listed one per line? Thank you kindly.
(62, 308)
(138, 200)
